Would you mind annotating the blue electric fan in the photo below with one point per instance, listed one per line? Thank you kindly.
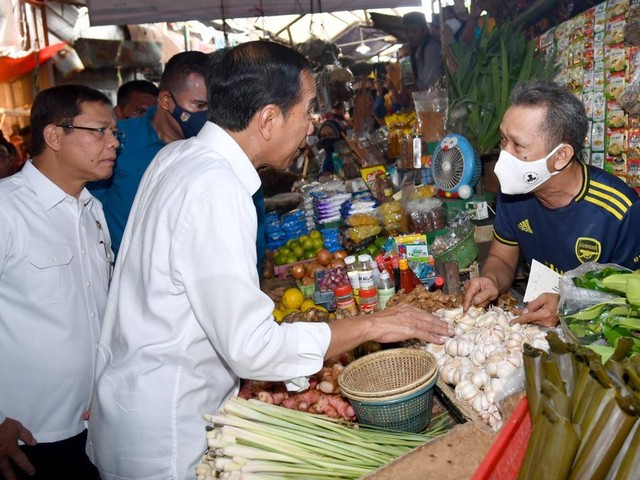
(455, 166)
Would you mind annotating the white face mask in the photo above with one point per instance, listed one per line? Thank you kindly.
(518, 177)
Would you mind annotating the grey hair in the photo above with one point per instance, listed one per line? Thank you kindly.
(565, 120)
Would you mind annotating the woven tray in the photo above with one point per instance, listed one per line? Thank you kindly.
(388, 373)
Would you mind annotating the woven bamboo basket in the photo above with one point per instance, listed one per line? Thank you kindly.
(387, 373)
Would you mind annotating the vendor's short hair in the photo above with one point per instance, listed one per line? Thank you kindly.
(179, 67)
(565, 120)
(414, 18)
(59, 105)
(243, 79)
(136, 86)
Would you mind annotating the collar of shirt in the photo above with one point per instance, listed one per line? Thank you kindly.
(212, 134)
(141, 129)
(49, 194)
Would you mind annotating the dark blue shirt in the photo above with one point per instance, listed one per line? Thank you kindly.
(261, 238)
(601, 224)
(139, 146)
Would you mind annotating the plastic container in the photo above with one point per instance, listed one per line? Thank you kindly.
(386, 289)
(352, 272)
(344, 299)
(504, 459)
(392, 389)
(369, 300)
(365, 272)
(464, 252)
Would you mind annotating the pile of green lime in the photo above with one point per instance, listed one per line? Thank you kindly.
(304, 247)
(374, 248)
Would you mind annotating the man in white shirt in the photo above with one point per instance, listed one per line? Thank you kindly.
(186, 318)
(54, 273)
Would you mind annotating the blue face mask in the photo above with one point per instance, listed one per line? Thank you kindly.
(190, 122)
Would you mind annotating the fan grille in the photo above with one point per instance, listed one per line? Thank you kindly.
(448, 168)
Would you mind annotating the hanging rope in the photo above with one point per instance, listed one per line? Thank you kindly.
(225, 31)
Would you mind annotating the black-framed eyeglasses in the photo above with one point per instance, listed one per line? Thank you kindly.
(118, 134)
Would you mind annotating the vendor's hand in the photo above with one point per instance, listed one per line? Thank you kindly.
(541, 311)
(479, 291)
(404, 321)
(10, 432)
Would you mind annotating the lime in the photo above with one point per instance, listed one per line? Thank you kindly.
(317, 243)
(284, 252)
(291, 258)
(293, 244)
(307, 244)
(315, 234)
(302, 239)
(279, 259)
(309, 254)
(298, 252)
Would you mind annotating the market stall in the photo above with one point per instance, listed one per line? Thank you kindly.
(393, 223)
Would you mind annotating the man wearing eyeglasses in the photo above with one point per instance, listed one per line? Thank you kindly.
(55, 262)
(181, 112)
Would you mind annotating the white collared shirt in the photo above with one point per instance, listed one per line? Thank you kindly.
(53, 292)
(186, 316)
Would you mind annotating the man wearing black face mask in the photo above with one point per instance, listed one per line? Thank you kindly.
(181, 112)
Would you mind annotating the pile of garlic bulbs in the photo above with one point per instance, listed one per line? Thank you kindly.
(483, 356)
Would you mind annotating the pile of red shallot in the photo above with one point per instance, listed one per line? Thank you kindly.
(322, 396)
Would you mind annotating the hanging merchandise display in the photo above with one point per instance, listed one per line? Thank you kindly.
(598, 64)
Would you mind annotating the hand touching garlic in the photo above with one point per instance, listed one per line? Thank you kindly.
(484, 353)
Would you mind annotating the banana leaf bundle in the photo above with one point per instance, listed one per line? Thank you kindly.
(592, 430)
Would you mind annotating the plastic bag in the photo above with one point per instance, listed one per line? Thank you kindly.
(629, 99)
(426, 214)
(580, 308)
(574, 299)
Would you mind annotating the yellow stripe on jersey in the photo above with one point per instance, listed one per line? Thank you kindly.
(604, 205)
(504, 240)
(585, 182)
(613, 192)
(613, 202)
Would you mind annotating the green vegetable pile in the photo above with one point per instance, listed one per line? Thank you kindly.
(616, 317)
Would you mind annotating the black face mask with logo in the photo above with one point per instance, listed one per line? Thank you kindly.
(190, 122)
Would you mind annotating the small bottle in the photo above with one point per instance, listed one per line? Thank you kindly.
(369, 300)
(407, 277)
(395, 265)
(386, 290)
(352, 273)
(345, 300)
(365, 272)
(437, 284)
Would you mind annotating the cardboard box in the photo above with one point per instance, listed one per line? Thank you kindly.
(453, 456)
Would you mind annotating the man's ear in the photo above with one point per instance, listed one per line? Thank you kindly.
(563, 157)
(165, 101)
(267, 119)
(53, 137)
(117, 110)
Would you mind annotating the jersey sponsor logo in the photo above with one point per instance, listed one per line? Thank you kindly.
(588, 249)
(525, 226)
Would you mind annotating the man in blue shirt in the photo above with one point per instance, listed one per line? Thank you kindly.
(181, 112)
(552, 207)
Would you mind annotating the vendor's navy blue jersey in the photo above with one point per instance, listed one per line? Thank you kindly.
(601, 224)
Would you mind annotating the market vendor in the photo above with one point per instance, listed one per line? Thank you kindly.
(552, 207)
(186, 318)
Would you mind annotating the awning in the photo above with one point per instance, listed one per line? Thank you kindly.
(116, 12)
(12, 68)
